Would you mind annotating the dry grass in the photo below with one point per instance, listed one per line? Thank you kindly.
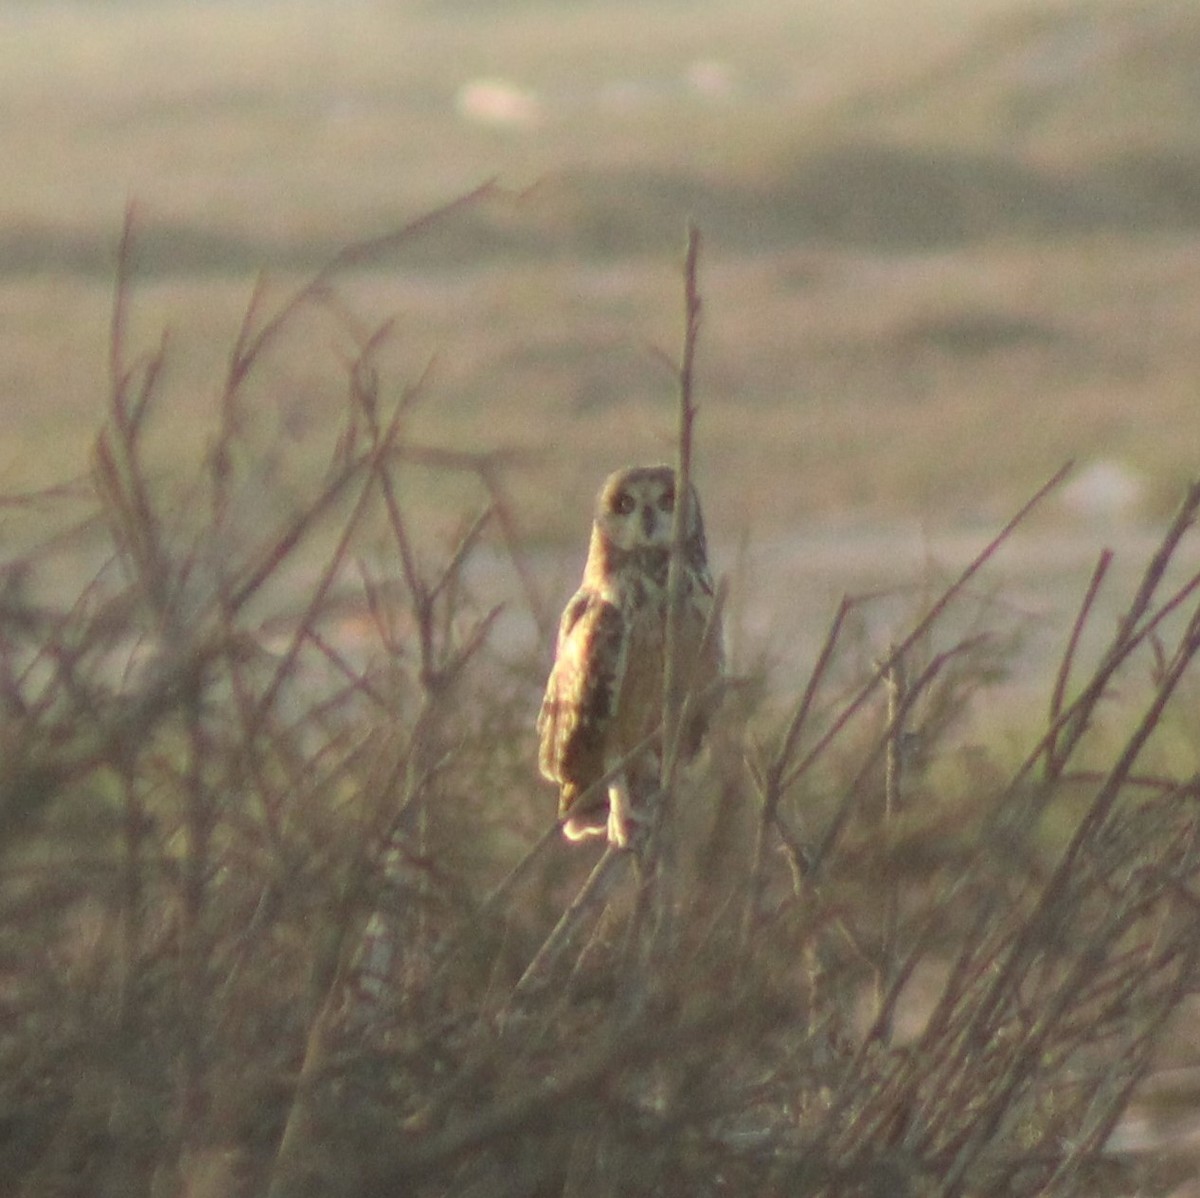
(281, 912)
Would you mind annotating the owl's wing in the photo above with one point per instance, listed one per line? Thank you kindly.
(581, 694)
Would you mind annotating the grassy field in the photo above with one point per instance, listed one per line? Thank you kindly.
(948, 245)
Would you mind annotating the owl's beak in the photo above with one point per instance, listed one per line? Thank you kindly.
(648, 518)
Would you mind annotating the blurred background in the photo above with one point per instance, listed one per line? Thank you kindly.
(948, 245)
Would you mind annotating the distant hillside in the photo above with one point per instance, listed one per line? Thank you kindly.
(1046, 121)
(1078, 81)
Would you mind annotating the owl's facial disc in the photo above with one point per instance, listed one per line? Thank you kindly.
(637, 508)
(650, 513)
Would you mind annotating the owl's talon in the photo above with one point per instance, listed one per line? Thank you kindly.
(618, 835)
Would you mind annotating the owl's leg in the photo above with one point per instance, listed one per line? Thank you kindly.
(583, 820)
(620, 813)
(631, 801)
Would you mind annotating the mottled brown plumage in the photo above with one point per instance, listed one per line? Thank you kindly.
(604, 694)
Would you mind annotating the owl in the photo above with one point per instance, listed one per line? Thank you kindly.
(604, 696)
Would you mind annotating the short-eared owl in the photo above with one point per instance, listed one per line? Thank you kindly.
(604, 695)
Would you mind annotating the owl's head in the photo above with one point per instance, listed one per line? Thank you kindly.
(636, 509)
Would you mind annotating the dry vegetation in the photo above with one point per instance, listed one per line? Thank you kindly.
(281, 913)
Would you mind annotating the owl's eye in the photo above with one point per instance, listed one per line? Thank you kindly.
(623, 503)
(667, 502)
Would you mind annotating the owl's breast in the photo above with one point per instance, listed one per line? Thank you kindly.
(639, 708)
